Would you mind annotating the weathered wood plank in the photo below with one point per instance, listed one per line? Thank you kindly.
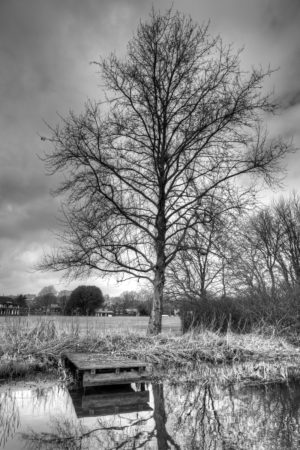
(101, 379)
(95, 361)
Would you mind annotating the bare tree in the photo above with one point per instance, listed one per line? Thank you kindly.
(201, 266)
(258, 248)
(287, 212)
(268, 235)
(269, 249)
(181, 119)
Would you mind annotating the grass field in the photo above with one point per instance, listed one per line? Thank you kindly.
(84, 325)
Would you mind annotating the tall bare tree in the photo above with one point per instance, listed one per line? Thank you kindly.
(181, 119)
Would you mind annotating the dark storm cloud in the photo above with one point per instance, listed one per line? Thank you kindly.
(282, 22)
(18, 187)
(20, 222)
(280, 15)
(44, 44)
(291, 99)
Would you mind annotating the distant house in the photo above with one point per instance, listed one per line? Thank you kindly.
(103, 313)
(132, 312)
(30, 300)
(8, 307)
(54, 309)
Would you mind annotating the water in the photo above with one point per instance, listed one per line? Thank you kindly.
(159, 417)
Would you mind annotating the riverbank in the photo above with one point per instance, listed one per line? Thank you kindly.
(204, 356)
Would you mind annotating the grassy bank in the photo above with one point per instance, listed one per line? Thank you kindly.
(203, 355)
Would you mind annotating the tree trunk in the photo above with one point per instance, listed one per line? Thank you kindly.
(273, 283)
(154, 326)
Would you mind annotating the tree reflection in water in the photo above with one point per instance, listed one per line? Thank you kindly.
(189, 418)
(37, 400)
(74, 435)
(164, 440)
(261, 417)
(9, 416)
(142, 432)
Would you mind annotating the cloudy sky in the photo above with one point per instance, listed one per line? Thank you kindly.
(46, 47)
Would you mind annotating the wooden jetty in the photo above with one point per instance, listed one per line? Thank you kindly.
(94, 369)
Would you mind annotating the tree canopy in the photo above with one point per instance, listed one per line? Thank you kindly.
(181, 121)
(45, 300)
(47, 290)
(84, 300)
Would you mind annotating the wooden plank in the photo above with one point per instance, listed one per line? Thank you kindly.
(95, 361)
(102, 379)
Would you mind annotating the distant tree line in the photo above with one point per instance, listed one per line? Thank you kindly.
(81, 301)
(85, 300)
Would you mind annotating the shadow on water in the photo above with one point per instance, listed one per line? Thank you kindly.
(153, 416)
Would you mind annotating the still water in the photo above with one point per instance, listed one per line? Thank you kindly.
(157, 416)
